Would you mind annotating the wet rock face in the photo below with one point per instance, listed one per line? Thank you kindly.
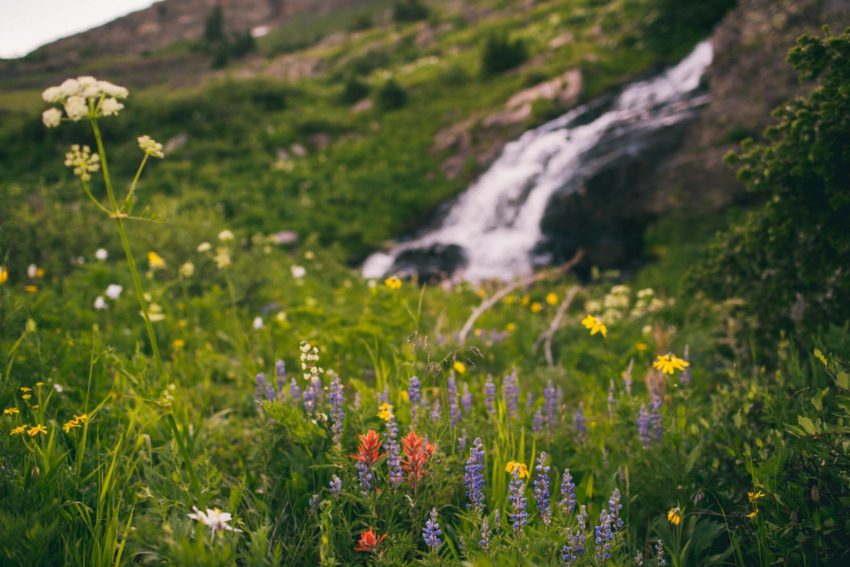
(431, 264)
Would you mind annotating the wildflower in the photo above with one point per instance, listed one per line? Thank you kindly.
(497, 520)
(155, 260)
(417, 454)
(225, 235)
(204, 247)
(298, 272)
(76, 108)
(393, 452)
(280, 377)
(454, 407)
(542, 491)
(516, 496)
(485, 533)
(11, 411)
(510, 327)
(35, 430)
(685, 376)
(222, 258)
(551, 298)
(150, 147)
(674, 516)
(369, 450)
(414, 395)
(154, 313)
(310, 362)
(436, 411)
(473, 477)
(26, 396)
(432, 533)
(490, 395)
(214, 519)
(369, 541)
(655, 420)
(580, 423)
(113, 291)
(25, 389)
(393, 282)
(752, 515)
(643, 427)
(365, 477)
(294, 391)
(568, 493)
(755, 496)
(69, 425)
(594, 325)
(82, 161)
(257, 324)
(538, 421)
(517, 466)
(574, 548)
(4, 275)
(550, 403)
(31, 288)
(659, 554)
(110, 107)
(669, 363)
(604, 536)
(466, 399)
(51, 117)
(536, 307)
(459, 367)
(335, 485)
(187, 269)
(510, 391)
(20, 430)
(614, 508)
(337, 407)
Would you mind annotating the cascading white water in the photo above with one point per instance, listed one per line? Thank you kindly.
(497, 220)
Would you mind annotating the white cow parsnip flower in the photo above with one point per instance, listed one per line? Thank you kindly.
(150, 146)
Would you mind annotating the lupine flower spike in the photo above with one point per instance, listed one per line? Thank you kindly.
(432, 534)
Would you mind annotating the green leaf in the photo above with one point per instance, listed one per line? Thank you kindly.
(843, 380)
(807, 424)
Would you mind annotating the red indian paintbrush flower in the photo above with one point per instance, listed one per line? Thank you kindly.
(369, 450)
(417, 453)
(369, 540)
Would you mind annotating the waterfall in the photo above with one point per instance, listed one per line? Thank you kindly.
(494, 226)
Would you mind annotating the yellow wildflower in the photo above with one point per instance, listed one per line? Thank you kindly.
(524, 300)
(31, 288)
(177, 344)
(39, 273)
(11, 411)
(669, 363)
(69, 425)
(18, 430)
(39, 384)
(81, 419)
(459, 367)
(536, 307)
(26, 396)
(674, 516)
(510, 327)
(641, 347)
(510, 299)
(385, 411)
(752, 515)
(551, 298)
(594, 325)
(4, 275)
(393, 282)
(755, 496)
(477, 332)
(155, 260)
(25, 389)
(35, 430)
(181, 323)
(515, 465)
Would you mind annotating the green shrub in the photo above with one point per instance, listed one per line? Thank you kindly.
(675, 23)
(500, 54)
(391, 96)
(409, 11)
(353, 91)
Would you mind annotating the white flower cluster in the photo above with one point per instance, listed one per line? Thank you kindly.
(151, 147)
(82, 161)
(82, 97)
(310, 362)
(617, 304)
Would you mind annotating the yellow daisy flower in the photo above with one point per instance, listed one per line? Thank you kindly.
(594, 325)
(551, 298)
(755, 496)
(674, 516)
(18, 430)
(536, 307)
(393, 282)
(669, 363)
(11, 411)
(516, 465)
(385, 411)
(459, 367)
(35, 430)
(155, 260)
(752, 515)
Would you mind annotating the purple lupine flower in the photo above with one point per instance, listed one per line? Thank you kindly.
(394, 453)
(473, 476)
(484, 542)
(454, 407)
(542, 492)
(365, 476)
(336, 485)
(538, 421)
(280, 378)
(413, 395)
(432, 534)
(263, 390)
(604, 536)
(574, 548)
(436, 411)
(627, 378)
(685, 375)
(309, 399)
(568, 493)
(510, 391)
(497, 521)
(550, 404)
(384, 396)
(516, 496)
(294, 391)
(655, 421)
(614, 507)
(659, 553)
(580, 423)
(490, 395)
(611, 400)
(529, 403)
(461, 441)
(337, 402)
(466, 399)
(643, 427)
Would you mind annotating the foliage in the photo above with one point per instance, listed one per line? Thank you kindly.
(673, 23)
(795, 246)
(391, 96)
(409, 11)
(500, 53)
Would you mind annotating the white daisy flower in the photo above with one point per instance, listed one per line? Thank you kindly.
(214, 519)
(113, 291)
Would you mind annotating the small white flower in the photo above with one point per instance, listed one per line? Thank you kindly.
(51, 117)
(101, 254)
(110, 107)
(225, 235)
(187, 270)
(76, 108)
(298, 272)
(59, 388)
(114, 91)
(222, 258)
(86, 81)
(150, 146)
(204, 247)
(51, 94)
(32, 271)
(69, 87)
(100, 303)
(113, 291)
(214, 519)
(257, 324)
(81, 160)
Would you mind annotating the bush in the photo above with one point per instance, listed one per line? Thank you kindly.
(354, 91)
(409, 11)
(391, 96)
(500, 54)
(788, 260)
(676, 23)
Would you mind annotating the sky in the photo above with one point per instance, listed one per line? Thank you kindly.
(27, 24)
